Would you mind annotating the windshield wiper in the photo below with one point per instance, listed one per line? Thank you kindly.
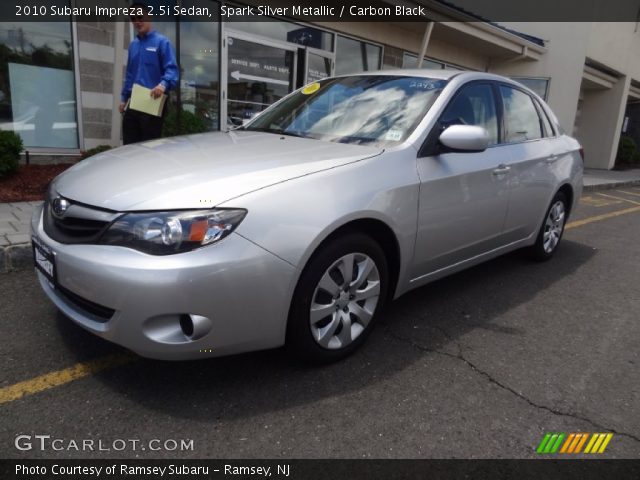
(273, 130)
(354, 139)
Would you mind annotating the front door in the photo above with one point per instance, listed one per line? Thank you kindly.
(463, 196)
(258, 72)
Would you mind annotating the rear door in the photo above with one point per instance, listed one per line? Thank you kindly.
(463, 196)
(532, 147)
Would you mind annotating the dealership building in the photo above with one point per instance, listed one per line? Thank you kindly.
(60, 81)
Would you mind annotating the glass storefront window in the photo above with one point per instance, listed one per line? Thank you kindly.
(288, 32)
(318, 67)
(200, 69)
(411, 61)
(198, 54)
(258, 75)
(37, 83)
(353, 56)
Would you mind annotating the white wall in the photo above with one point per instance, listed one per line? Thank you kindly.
(616, 45)
(600, 123)
(563, 63)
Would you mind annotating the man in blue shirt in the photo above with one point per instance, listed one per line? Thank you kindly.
(152, 64)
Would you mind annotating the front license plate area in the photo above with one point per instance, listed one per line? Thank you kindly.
(44, 259)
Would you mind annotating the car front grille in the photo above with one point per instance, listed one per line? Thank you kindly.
(79, 224)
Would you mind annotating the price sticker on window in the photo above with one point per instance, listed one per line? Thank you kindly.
(393, 135)
(311, 88)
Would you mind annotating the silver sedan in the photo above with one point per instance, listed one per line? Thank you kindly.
(298, 227)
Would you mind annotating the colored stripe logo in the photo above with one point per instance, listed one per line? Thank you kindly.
(574, 442)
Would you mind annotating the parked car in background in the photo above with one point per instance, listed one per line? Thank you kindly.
(298, 227)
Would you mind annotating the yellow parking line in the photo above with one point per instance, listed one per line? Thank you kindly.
(629, 193)
(604, 216)
(619, 198)
(60, 377)
(597, 202)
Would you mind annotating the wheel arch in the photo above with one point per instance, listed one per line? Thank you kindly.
(567, 189)
(381, 233)
(378, 231)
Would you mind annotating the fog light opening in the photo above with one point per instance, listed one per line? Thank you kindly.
(186, 324)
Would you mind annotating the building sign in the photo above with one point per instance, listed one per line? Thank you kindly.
(257, 76)
(250, 62)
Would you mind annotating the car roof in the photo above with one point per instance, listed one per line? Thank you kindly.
(438, 74)
(463, 75)
(418, 72)
(408, 72)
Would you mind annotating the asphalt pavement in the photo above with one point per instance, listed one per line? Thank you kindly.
(478, 365)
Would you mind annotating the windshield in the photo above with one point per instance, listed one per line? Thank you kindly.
(378, 110)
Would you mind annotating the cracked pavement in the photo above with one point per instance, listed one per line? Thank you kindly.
(479, 365)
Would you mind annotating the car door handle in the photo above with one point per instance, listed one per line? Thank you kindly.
(552, 158)
(501, 170)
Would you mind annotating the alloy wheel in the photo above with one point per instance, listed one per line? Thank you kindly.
(553, 227)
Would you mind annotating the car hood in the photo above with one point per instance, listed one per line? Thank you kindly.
(202, 170)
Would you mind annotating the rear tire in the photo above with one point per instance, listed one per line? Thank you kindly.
(337, 300)
(551, 230)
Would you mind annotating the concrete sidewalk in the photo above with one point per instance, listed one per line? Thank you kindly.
(15, 248)
(604, 179)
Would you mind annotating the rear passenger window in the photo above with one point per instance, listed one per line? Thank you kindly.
(473, 105)
(521, 118)
(546, 124)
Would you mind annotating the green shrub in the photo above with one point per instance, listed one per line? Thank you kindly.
(636, 158)
(626, 149)
(95, 151)
(10, 148)
(189, 123)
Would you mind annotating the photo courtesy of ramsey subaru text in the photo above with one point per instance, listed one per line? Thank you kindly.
(296, 228)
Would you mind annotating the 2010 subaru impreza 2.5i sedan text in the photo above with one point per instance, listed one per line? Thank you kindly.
(296, 228)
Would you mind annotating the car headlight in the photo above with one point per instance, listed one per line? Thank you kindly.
(165, 233)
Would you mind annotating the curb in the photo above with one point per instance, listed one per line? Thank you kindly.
(610, 186)
(15, 257)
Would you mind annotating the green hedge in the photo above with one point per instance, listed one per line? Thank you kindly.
(626, 149)
(10, 148)
(95, 151)
(189, 123)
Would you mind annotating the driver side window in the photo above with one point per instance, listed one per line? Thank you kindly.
(473, 105)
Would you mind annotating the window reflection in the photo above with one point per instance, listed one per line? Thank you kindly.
(37, 84)
(360, 110)
(521, 118)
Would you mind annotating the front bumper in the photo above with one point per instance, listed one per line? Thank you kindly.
(243, 290)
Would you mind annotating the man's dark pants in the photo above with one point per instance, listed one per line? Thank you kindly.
(140, 126)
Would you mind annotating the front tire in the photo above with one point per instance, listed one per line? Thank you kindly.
(339, 295)
(552, 229)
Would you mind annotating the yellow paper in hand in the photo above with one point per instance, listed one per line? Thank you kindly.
(142, 101)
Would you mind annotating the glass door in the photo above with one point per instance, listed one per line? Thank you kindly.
(318, 65)
(258, 73)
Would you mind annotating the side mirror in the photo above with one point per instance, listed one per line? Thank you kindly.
(465, 138)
